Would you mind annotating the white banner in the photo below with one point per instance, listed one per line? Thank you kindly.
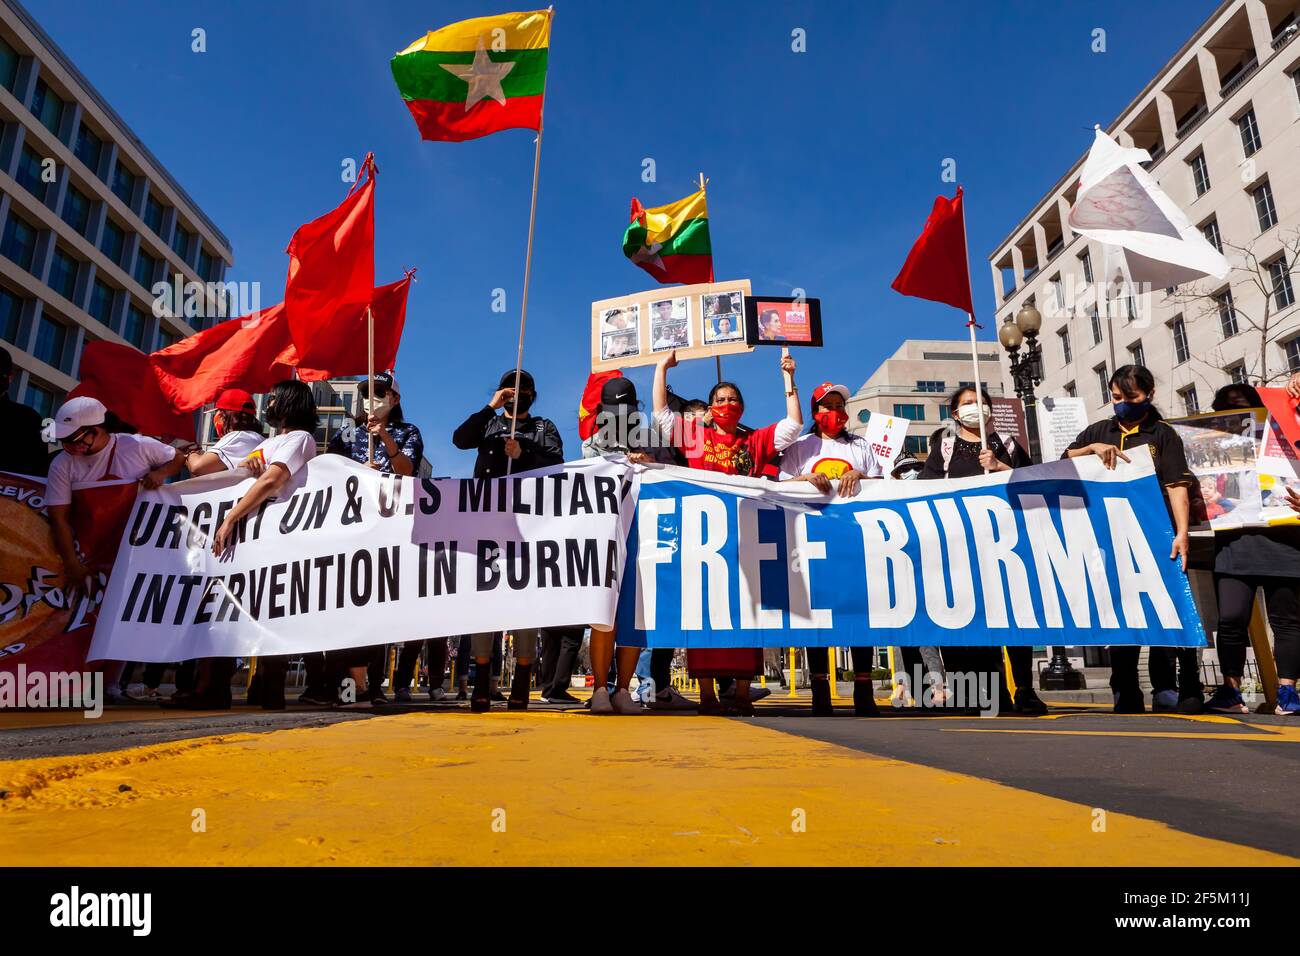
(347, 557)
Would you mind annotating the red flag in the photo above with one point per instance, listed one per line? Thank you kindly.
(123, 379)
(346, 353)
(937, 268)
(332, 271)
(591, 402)
(251, 352)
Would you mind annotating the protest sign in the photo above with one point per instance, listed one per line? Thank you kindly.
(886, 435)
(348, 557)
(783, 320)
(1009, 420)
(1060, 420)
(699, 321)
(1065, 553)
(1221, 450)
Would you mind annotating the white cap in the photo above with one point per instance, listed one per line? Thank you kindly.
(73, 414)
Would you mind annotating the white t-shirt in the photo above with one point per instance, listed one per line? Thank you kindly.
(830, 457)
(292, 449)
(132, 456)
(234, 447)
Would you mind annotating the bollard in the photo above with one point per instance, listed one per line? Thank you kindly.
(834, 675)
(392, 668)
(792, 681)
(1264, 661)
(1007, 675)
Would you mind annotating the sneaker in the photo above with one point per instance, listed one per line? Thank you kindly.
(137, 692)
(312, 699)
(1227, 700)
(1131, 702)
(1164, 702)
(563, 697)
(114, 695)
(670, 699)
(1191, 705)
(623, 703)
(600, 702)
(402, 695)
(437, 694)
(461, 695)
(497, 696)
(1288, 701)
(1028, 702)
(758, 693)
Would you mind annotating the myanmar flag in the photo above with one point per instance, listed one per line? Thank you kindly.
(476, 77)
(672, 242)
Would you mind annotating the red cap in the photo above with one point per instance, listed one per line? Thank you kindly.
(825, 388)
(236, 400)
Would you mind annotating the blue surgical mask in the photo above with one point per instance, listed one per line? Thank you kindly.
(1132, 411)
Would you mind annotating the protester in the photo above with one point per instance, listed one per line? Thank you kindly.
(238, 433)
(725, 445)
(536, 443)
(907, 467)
(560, 649)
(1246, 561)
(829, 452)
(23, 451)
(91, 453)
(277, 461)
(1175, 672)
(404, 674)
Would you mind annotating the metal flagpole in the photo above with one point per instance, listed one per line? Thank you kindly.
(972, 325)
(528, 265)
(370, 388)
(703, 189)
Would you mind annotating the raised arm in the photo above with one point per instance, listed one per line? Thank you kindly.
(660, 390)
(793, 407)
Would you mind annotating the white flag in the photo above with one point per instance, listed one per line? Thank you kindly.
(1121, 205)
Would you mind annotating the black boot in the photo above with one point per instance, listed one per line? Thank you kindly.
(821, 693)
(1028, 702)
(519, 687)
(864, 699)
(481, 699)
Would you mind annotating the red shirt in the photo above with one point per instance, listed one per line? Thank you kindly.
(711, 450)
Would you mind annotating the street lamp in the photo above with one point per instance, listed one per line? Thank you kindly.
(1026, 375)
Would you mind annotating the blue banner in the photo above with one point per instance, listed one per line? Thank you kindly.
(1065, 553)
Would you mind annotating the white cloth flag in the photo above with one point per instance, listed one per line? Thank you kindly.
(1120, 205)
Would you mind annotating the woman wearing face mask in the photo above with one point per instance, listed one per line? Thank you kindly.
(725, 445)
(1175, 672)
(831, 453)
(955, 452)
(1244, 562)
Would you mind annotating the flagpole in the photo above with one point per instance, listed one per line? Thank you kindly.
(528, 266)
(716, 358)
(370, 388)
(971, 325)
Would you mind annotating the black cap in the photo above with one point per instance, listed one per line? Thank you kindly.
(618, 391)
(525, 380)
(382, 380)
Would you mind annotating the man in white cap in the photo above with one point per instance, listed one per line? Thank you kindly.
(91, 453)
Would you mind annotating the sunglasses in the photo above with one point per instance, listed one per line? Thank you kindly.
(381, 391)
(81, 438)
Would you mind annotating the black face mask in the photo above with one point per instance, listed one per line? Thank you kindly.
(525, 402)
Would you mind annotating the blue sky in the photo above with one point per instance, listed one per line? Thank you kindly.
(822, 165)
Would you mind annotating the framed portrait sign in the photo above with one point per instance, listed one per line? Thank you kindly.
(699, 321)
(783, 320)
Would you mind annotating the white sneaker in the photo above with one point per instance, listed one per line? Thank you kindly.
(670, 699)
(600, 702)
(623, 703)
(137, 691)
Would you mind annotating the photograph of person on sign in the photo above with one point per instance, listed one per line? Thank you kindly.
(778, 320)
(723, 317)
(670, 326)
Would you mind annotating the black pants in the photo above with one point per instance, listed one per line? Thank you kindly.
(1236, 601)
(410, 656)
(661, 668)
(1171, 668)
(819, 660)
(559, 647)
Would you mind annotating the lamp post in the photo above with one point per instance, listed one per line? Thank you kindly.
(1026, 375)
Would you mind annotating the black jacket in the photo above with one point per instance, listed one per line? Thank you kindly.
(539, 442)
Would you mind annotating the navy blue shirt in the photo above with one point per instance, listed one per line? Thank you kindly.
(407, 436)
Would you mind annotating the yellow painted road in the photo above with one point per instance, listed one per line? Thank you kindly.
(548, 788)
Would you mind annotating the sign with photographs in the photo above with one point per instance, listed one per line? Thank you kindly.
(782, 320)
(699, 321)
(1221, 449)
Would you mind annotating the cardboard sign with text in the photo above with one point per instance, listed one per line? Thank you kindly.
(1060, 420)
(1009, 420)
(699, 321)
(886, 435)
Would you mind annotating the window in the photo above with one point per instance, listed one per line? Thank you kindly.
(76, 210)
(101, 301)
(1249, 129)
(167, 339)
(1211, 233)
(146, 267)
(1103, 382)
(1293, 355)
(1130, 305)
(1137, 354)
(19, 241)
(1064, 335)
(1227, 314)
(113, 241)
(864, 416)
(89, 148)
(929, 386)
(1086, 260)
(8, 65)
(1094, 318)
(123, 183)
(1200, 174)
(133, 327)
(51, 339)
(205, 265)
(29, 172)
(1295, 78)
(916, 444)
(44, 400)
(1058, 293)
(1190, 404)
(1283, 294)
(915, 413)
(1071, 390)
(1178, 328)
(181, 241)
(11, 310)
(1264, 208)
(153, 214)
(63, 273)
(1237, 374)
(47, 107)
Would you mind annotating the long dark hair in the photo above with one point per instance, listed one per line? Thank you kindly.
(289, 405)
(1220, 403)
(1135, 378)
(242, 421)
(713, 392)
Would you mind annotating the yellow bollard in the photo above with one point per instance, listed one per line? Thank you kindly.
(1006, 673)
(791, 661)
(1263, 655)
(834, 673)
(392, 668)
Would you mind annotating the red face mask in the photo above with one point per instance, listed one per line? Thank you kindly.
(726, 416)
(219, 424)
(831, 421)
